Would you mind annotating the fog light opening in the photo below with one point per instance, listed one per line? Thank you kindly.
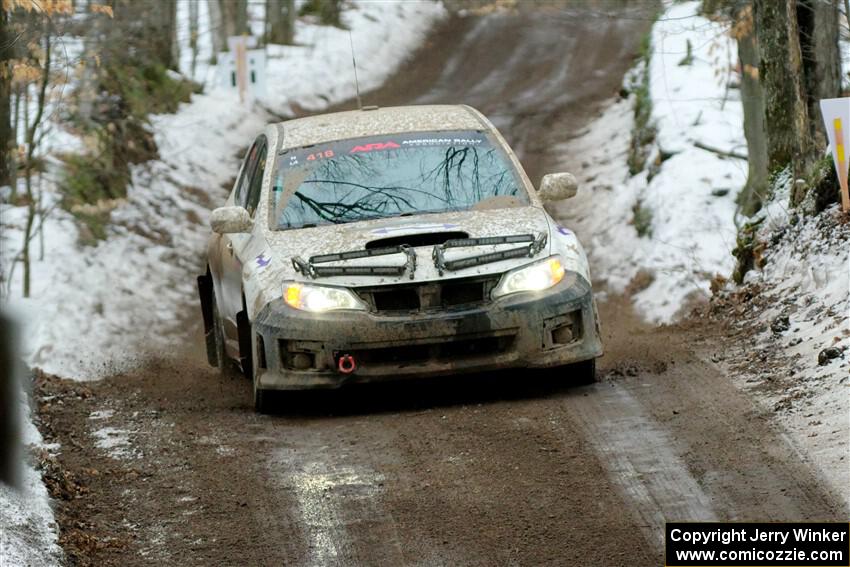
(302, 361)
(563, 335)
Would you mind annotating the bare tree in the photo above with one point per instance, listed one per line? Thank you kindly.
(7, 141)
(31, 145)
(156, 24)
(280, 21)
(819, 35)
(329, 11)
(193, 35)
(781, 72)
(234, 15)
(219, 35)
(752, 98)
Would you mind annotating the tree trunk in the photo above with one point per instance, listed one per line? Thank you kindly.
(280, 21)
(786, 113)
(241, 17)
(175, 44)
(7, 141)
(193, 35)
(160, 30)
(234, 15)
(327, 10)
(148, 29)
(819, 34)
(219, 37)
(13, 151)
(752, 97)
(32, 129)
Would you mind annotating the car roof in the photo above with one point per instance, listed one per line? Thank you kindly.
(373, 121)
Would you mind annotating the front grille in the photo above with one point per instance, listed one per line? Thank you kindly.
(406, 299)
(449, 350)
(429, 296)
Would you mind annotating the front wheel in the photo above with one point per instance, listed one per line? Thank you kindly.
(262, 399)
(225, 365)
(583, 372)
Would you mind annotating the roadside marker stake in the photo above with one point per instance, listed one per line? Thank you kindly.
(836, 118)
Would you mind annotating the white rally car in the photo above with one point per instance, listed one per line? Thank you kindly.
(387, 243)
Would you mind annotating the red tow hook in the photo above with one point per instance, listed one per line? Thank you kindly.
(346, 364)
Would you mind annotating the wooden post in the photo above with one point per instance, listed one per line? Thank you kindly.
(241, 68)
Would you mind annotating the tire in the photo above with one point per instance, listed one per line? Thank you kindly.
(583, 373)
(246, 350)
(262, 400)
(224, 363)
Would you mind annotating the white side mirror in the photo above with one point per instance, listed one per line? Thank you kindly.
(557, 186)
(230, 220)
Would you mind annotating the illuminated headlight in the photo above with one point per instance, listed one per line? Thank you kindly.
(317, 298)
(535, 277)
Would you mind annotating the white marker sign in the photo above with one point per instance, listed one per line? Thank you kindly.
(243, 69)
(836, 119)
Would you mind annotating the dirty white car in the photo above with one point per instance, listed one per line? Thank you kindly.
(388, 243)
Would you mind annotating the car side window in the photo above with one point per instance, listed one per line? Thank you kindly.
(256, 183)
(241, 196)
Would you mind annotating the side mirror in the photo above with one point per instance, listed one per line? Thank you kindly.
(557, 186)
(230, 220)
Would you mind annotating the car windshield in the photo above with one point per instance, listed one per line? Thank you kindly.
(393, 175)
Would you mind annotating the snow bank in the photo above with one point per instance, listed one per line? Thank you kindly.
(687, 193)
(799, 311)
(27, 530)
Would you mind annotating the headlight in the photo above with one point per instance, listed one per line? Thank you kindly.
(319, 298)
(535, 277)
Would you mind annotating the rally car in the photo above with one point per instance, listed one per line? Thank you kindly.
(386, 243)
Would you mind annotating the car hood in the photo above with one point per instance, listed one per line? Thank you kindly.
(282, 246)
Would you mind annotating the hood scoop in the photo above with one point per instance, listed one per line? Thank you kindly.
(417, 239)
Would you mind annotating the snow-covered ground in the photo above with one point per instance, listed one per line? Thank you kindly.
(94, 310)
(28, 531)
(796, 312)
(690, 199)
(687, 194)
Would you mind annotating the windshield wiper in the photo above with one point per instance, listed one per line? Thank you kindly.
(534, 247)
(310, 269)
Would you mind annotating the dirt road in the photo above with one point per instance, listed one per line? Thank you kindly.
(169, 465)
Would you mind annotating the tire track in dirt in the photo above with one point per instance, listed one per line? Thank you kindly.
(644, 465)
(339, 499)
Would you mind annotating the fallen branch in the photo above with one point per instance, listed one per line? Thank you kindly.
(719, 152)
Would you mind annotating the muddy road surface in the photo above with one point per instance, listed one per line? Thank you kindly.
(169, 464)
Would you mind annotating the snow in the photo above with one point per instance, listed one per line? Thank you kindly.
(806, 276)
(28, 532)
(99, 309)
(691, 194)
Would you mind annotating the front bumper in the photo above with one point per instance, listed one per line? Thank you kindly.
(299, 350)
